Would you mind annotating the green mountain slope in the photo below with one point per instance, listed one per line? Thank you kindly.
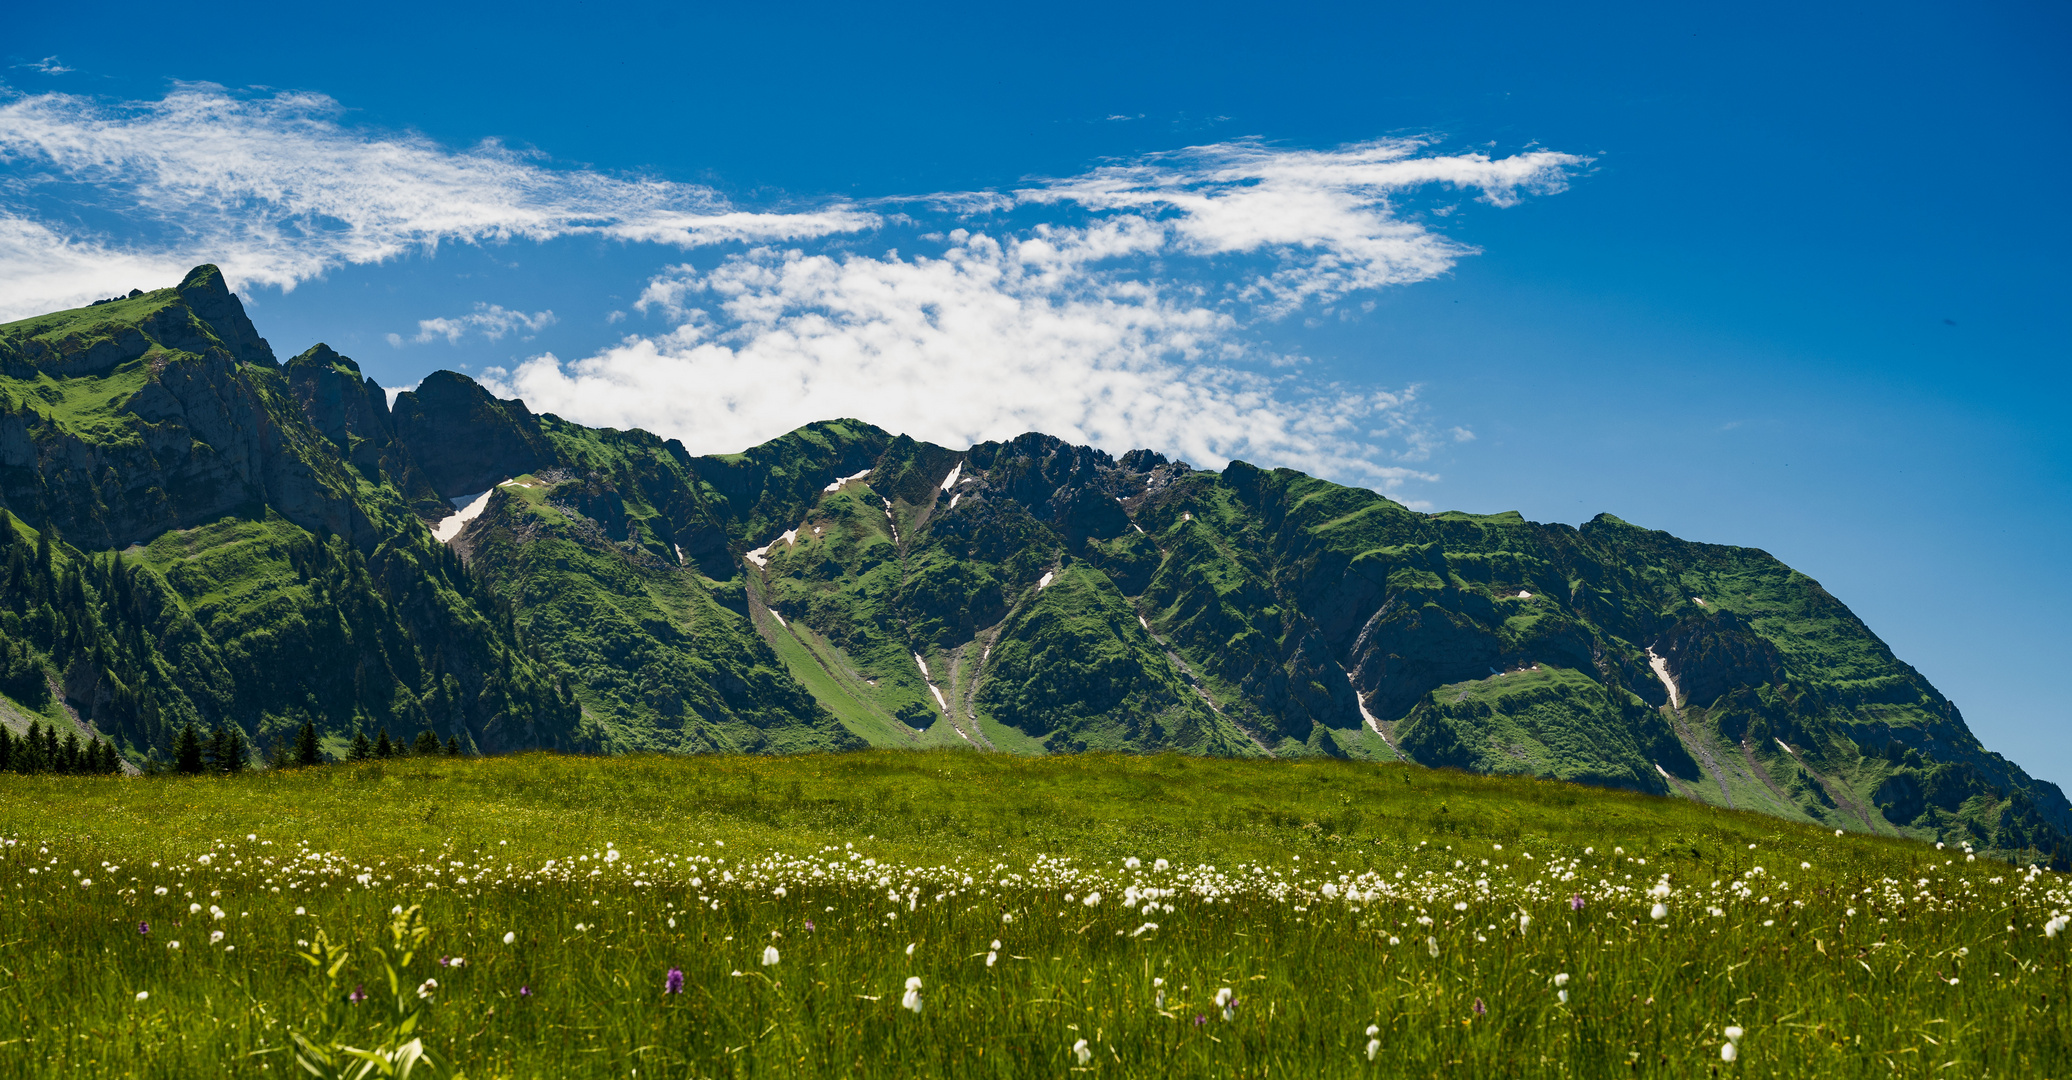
(201, 534)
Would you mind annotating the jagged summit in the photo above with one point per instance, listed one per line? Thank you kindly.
(841, 585)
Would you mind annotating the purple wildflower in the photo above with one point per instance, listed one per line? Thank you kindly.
(672, 983)
(809, 925)
(1575, 903)
(1481, 1009)
(525, 991)
(358, 995)
(1199, 1019)
(143, 928)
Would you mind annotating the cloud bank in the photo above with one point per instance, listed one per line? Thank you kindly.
(1131, 305)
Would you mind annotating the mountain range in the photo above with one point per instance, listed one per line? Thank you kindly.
(202, 534)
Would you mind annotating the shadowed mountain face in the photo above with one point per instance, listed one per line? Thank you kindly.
(303, 551)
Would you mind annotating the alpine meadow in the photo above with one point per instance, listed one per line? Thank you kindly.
(357, 733)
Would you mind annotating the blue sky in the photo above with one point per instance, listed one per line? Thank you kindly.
(1763, 275)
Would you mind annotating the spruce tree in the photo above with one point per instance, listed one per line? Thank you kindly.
(217, 752)
(383, 748)
(236, 755)
(452, 746)
(427, 744)
(187, 754)
(6, 748)
(68, 755)
(29, 753)
(306, 752)
(362, 749)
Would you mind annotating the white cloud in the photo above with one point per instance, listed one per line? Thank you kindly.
(276, 190)
(1099, 330)
(48, 65)
(1127, 306)
(492, 320)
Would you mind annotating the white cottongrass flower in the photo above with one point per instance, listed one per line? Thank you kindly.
(1524, 923)
(1080, 1051)
(1092, 899)
(912, 998)
(160, 891)
(1731, 1049)
(510, 936)
(992, 957)
(173, 945)
(1160, 865)
(2056, 925)
(1006, 916)
(1838, 832)
(1659, 912)
(1432, 946)
(1561, 979)
(1227, 1001)
(778, 892)
(1158, 998)
(1394, 940)
(143, 995)
(1132, 863)
(194, 909)
(611, 855)
(1373, 1043)
(910, 948)
(215, 937)
(769, 955)
(426, 988)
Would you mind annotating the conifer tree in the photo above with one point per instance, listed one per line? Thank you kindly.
(306, 752)
(68, 756)
(383, 748)
(6, 748)
(217, 752)
(28, 753)
(187, 754)
(426, 745)
(452, 746)
(362, 749)
(236, 755)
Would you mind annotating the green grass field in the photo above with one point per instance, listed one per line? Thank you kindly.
(1478, 926)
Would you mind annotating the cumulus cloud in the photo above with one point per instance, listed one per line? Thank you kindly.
(493, 321)
(49, 65)
(277, 190)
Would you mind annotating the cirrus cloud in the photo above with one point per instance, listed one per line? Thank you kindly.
(278, 189)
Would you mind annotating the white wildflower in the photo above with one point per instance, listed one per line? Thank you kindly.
(912, 999)
(769, 955)
(1080, 1051)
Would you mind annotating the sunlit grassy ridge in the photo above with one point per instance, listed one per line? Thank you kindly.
(1327, 896)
